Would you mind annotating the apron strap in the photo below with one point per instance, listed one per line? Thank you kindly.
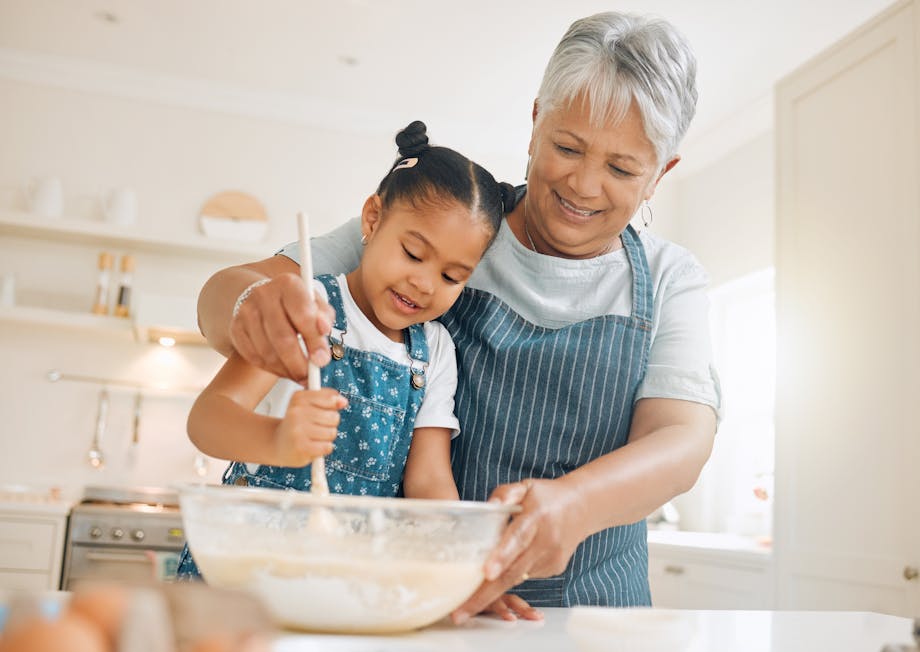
(642, 296)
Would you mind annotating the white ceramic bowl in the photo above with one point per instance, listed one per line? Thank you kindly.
(354, 564)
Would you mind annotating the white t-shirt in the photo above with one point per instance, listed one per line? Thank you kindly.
(437, 409)
(555, 292)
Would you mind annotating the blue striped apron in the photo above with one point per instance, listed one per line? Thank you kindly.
(539, 402)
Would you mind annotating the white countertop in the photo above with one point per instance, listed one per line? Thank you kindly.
(21, 499)
(709, 631)
(742, 549)
(708, 540)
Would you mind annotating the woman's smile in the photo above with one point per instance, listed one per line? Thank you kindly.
(577, 213)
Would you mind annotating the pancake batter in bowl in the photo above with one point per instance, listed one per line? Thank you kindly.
(347, 595)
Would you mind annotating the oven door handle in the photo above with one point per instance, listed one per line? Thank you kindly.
(121, 557)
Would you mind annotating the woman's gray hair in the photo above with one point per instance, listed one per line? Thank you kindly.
(615, 59)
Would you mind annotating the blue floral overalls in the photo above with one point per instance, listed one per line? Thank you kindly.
(375, 430)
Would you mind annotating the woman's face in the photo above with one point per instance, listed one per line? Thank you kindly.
(416, 261)
(585, 181)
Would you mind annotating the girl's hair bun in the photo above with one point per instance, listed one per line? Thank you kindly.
(412, 140)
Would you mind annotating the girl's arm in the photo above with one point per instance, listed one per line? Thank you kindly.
(428, 473)
(222, 423)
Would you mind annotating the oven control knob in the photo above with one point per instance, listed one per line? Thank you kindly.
(117, 533)
(95, 532)
(138, 535)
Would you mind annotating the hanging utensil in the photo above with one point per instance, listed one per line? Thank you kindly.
(95, 456)
(135, 429)
(136, 426)
(201, 465)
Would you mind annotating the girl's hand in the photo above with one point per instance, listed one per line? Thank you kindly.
(539, 541)
(511, 607)
(264, 328)
(309, 426)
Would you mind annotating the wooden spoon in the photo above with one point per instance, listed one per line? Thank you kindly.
(319, 485)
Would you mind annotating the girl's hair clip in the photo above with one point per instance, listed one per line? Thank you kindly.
(406, 163)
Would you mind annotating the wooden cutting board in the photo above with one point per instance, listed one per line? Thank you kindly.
(234, 205)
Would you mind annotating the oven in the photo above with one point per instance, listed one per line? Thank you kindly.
(123, 535)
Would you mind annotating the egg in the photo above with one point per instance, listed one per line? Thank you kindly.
(102, 604)
(231, 643)
(69, 632)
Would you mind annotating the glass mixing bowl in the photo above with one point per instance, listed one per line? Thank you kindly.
(355, 564)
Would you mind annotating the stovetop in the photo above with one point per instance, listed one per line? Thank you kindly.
(140, 517)
(130, 496)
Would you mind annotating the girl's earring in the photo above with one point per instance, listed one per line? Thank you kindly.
(527, 169)
(363, 239)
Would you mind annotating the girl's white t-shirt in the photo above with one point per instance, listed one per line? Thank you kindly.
(437, 409)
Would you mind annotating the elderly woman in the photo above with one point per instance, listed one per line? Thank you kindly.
(586, 391)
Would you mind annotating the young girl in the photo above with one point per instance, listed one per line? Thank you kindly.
(384, 418)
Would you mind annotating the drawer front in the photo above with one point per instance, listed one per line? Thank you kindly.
(27, 544)
(12, 581)
(678, 583)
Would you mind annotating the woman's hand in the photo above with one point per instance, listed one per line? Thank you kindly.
(264, 328)
(511, 607)
(309, 427)
(538, 542)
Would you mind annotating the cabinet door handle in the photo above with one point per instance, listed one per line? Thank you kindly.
(911, 573)
(119, 557)
(674, 570)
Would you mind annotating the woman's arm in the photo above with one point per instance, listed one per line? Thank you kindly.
(264, 330)
(669, 442)
(222, 422)
(428, 473)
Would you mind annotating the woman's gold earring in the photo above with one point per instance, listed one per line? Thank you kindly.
(363, 239)
(646, 208)
(527, 169)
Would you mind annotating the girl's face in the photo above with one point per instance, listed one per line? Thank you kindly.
(416, 261)
(586, 181)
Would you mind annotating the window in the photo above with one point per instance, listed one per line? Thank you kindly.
(735, 490)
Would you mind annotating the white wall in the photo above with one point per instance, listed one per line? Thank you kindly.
(725, 210)
(174, 157)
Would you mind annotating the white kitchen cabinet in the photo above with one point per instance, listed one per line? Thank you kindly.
(32, 546)
(847, 525)
(689, 570)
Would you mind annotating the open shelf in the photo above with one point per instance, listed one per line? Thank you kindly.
(67, 319)
(99, 233)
